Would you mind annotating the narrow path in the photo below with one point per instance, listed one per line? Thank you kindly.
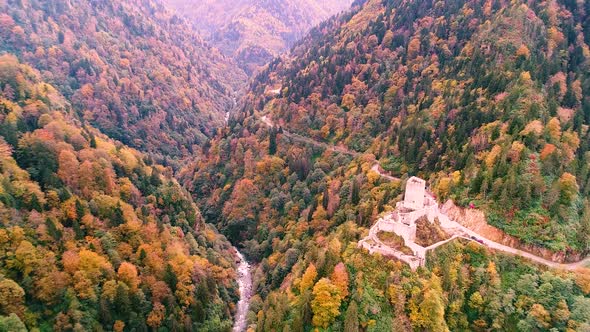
(460, 231)
(377, 169)
(335, 148)
(307, 140)
(245, 283)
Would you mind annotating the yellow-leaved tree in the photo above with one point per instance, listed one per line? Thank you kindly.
(326, 303)
(308, 278)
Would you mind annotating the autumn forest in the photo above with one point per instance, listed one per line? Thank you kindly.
(179, 165)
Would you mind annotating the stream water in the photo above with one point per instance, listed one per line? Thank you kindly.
(245, 283)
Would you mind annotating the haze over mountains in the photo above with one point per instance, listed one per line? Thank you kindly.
(123, 187)
(253, 31)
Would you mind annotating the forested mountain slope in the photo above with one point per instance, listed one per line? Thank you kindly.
(252, 31)
(484, 98)
(93, 235)
(130, 68)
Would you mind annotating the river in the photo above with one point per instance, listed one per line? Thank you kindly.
(245, 283)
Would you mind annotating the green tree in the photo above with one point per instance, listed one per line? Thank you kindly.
(581, 310)
(351, 322)
(12, 323)
(584, 227)
(52, 230)
(272, 143)
(355, 193)
(118, 218)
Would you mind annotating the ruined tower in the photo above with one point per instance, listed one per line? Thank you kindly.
(415, 193)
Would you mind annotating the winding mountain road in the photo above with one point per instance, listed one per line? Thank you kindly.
(310, 141)
(470, 235)
(459, 231)
(377, 169)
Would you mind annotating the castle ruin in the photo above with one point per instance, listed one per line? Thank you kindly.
(417, 203)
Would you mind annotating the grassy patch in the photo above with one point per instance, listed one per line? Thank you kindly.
(394, 241)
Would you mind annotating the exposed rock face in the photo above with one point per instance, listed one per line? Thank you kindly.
(475, 220)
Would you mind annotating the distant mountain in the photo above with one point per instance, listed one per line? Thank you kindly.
(130, 68)
(254, 31)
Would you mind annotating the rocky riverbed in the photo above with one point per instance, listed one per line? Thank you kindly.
(245, 283)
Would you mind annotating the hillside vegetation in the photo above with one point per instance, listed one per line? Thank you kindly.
(130, 68)
(485, 99)
(93, 235)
